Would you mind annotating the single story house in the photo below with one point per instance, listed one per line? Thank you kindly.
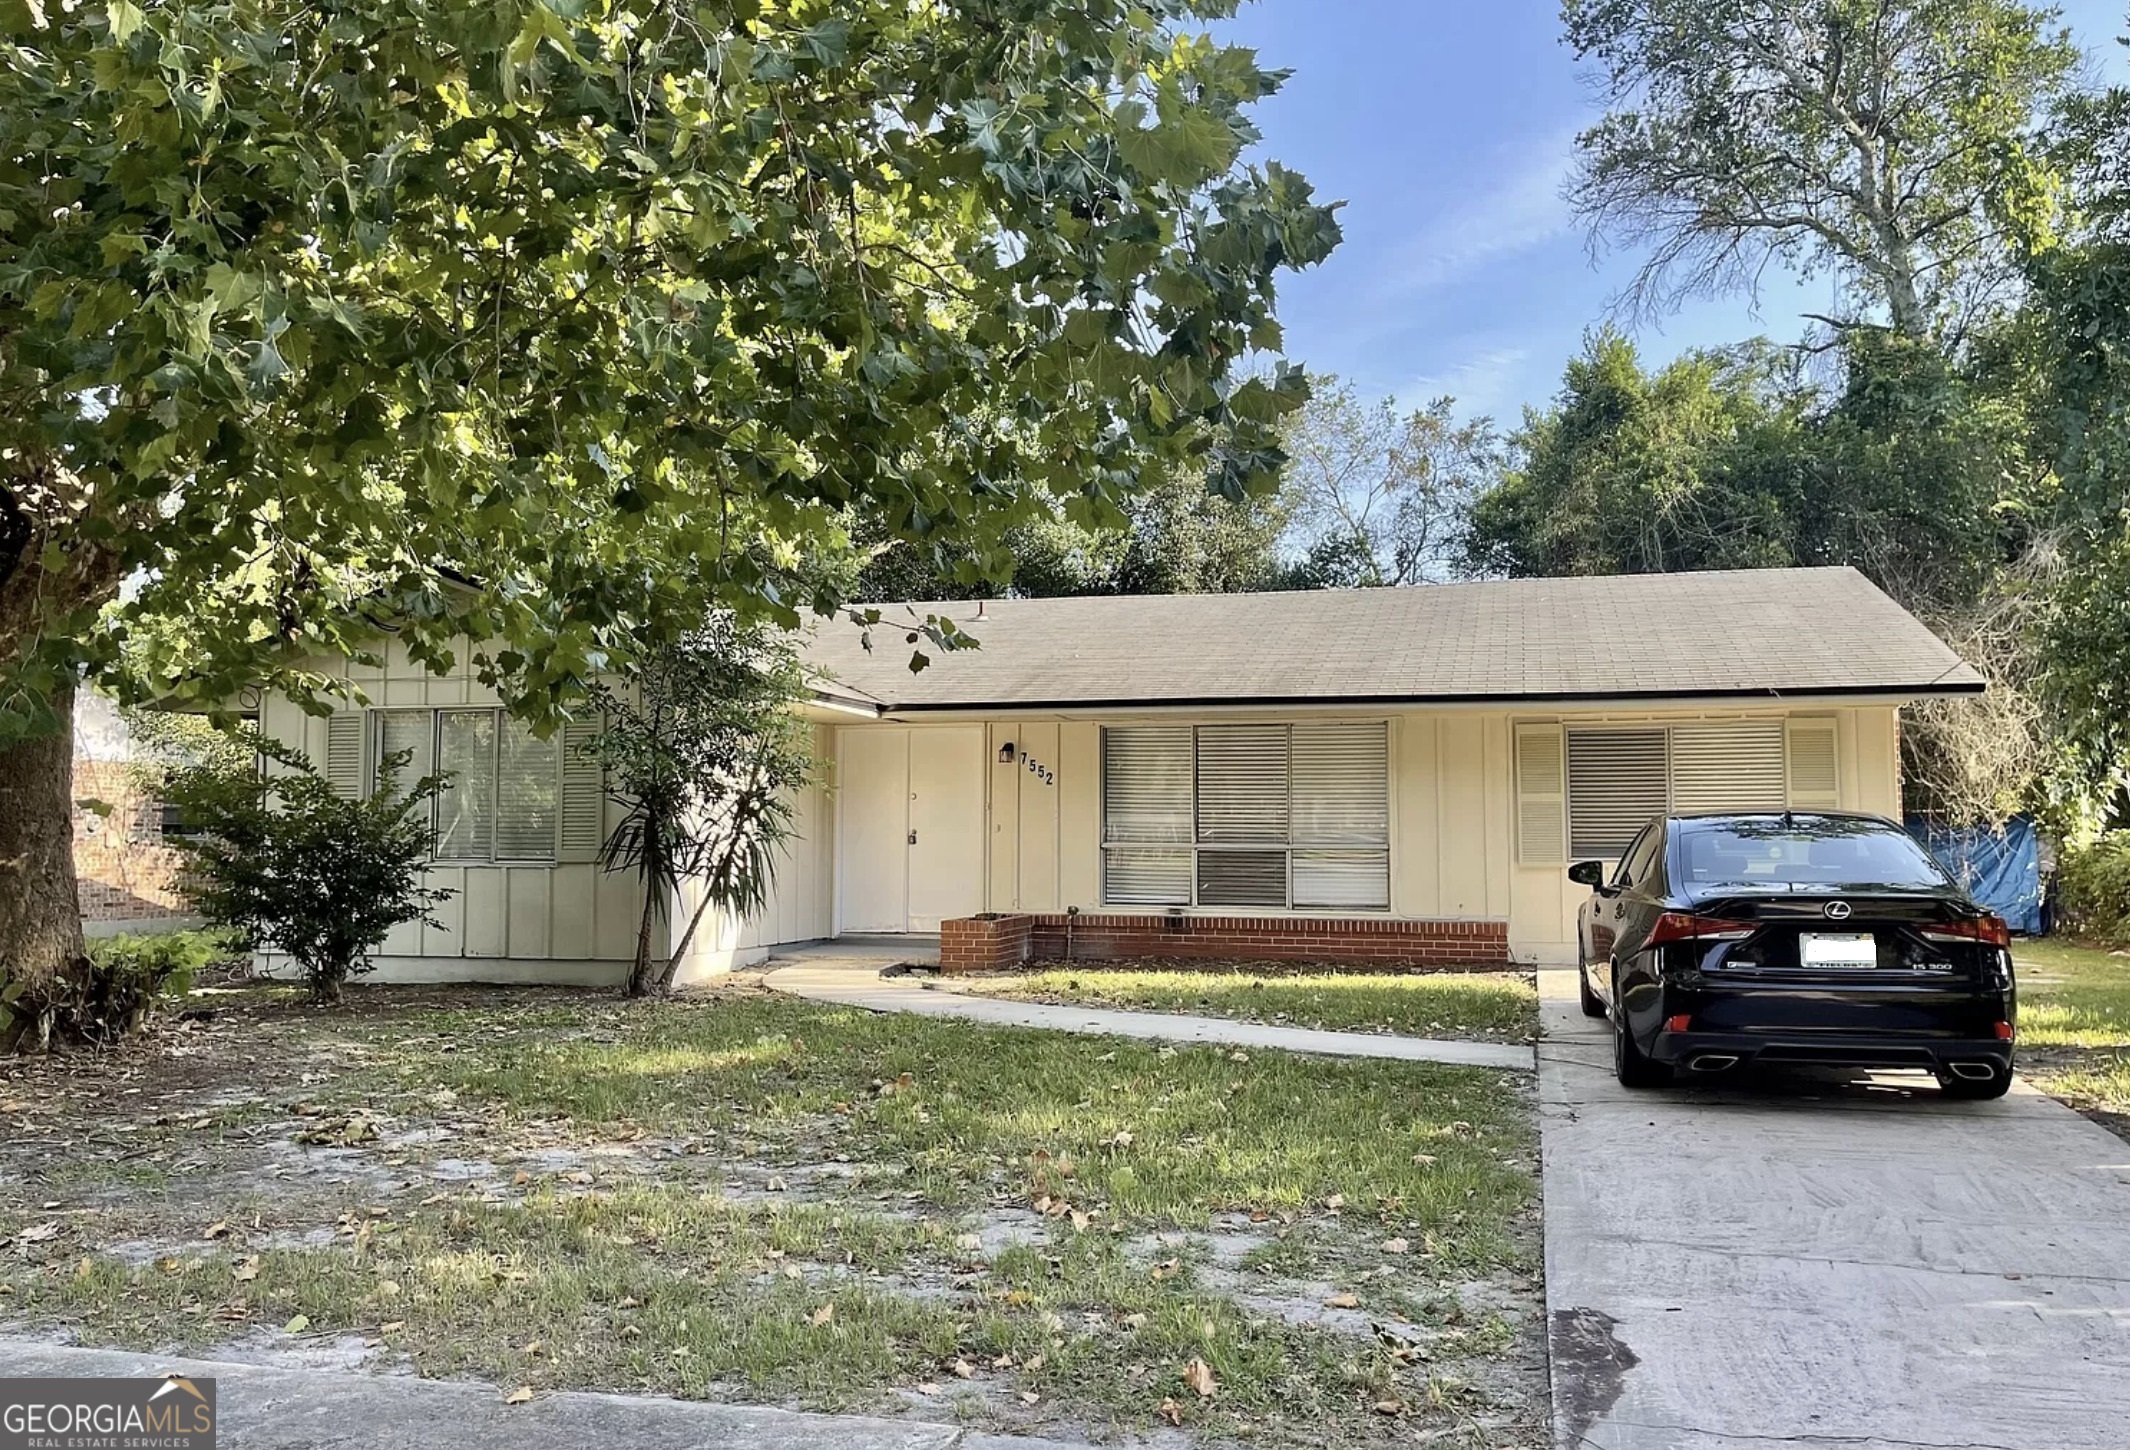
(1387, 775)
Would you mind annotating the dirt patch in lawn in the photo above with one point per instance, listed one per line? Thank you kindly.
(744, 1197)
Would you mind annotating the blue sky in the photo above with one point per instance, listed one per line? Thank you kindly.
(1447, 126)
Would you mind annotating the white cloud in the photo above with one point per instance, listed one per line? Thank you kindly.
(1524, 211)
(1486, 382)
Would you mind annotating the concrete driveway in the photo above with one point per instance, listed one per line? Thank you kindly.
(1819, 1262)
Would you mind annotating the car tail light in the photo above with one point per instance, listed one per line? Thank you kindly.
(1683, 926)
(1987, 929)
(2004, 1032)
(1684, 1022)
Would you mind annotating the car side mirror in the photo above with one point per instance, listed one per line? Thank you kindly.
(1587, 873)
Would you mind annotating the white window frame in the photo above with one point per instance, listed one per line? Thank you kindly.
(373, 737)
(1288, 847)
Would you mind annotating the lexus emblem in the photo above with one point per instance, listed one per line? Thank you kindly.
(1836, 910)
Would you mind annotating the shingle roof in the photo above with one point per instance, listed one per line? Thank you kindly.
(1758, 632)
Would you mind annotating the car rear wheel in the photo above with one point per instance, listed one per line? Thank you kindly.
(1593, 1004)
(1632, 1066)
(1976, 1089)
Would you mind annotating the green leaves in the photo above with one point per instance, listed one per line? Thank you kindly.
(567, 326)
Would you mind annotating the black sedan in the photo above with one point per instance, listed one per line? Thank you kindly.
(1814, 937)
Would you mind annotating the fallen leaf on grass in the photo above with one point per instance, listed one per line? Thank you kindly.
(1199, 1376)
(1395, 1246)
(297, 1325)
(519, 1395)
(245, 1270)
(216, 1230)
(37, 1233)
(1389, 1407)
(1029, 1397)
(1167, 1269)
(392, 1326)
(822, 1315)
(963, 1370)
(1171, 1412)
(1342, 1301)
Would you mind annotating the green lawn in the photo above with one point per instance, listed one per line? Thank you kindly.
(755, 1198)
(1480, 1006)
(2074, 1024)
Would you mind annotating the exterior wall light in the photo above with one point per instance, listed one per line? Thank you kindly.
(1005, 753)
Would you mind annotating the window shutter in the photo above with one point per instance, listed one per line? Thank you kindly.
(1341, 775)
(1146, 815)
(1735, 765)
(526, 785)
(1243, 784)
(1814, 763)
(344, 752)
(1541, 796)
(583, 793)
(1616, 783)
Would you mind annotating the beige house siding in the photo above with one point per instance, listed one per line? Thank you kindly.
(566, 923)
(1452, 798)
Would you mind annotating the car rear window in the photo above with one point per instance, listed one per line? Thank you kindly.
(1804, 851)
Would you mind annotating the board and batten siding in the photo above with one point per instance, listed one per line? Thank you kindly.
(1866, 764)
(562, 923)
(1454, 806)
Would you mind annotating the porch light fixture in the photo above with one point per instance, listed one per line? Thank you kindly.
(1005, 753)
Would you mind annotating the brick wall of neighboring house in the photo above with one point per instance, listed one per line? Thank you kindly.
(127, 874)
(979, 944)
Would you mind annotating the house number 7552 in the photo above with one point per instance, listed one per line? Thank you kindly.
(1039, 771)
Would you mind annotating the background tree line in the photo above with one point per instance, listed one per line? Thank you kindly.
(1959, 430)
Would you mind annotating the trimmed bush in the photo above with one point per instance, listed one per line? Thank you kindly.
(2093, 885)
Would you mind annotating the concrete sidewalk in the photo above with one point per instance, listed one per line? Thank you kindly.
(291, 1409)
(1804, 1261)
(856, 982)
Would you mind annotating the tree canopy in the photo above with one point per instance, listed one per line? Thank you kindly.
(555, 329)
(1891, 141)
(559, 327)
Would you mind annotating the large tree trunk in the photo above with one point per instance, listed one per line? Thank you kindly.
(41, 950)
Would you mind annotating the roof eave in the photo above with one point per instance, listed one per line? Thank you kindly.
(1852, 694)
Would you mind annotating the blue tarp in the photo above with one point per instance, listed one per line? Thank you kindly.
(2000, 869)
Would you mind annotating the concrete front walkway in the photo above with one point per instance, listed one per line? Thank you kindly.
(1820, 1263)
(855, 981)
(300, 1409)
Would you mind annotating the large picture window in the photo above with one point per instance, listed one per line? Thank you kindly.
(1247, 816)
(499, 803)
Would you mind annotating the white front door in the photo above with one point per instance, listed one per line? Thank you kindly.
(872, 814)
(910, 813)
(946, 868)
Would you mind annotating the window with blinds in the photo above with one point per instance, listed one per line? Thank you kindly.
(1619, 777)
(1247, 815)
(507, 795)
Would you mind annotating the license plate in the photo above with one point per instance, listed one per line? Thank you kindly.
(1838, 949)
